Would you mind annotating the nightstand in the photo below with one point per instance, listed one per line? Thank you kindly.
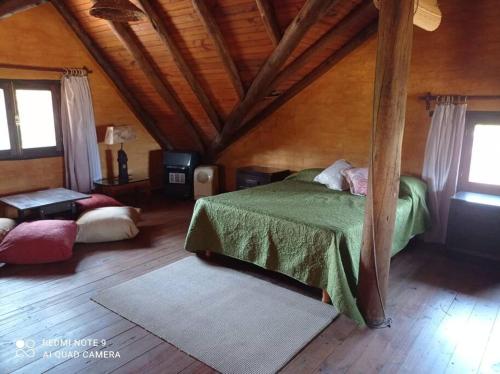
(474, 225)
(252, 176)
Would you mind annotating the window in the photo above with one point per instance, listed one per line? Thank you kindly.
(480, 162)
(29, 119)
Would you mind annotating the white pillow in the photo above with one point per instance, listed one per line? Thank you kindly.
(332, 176)
(6, 224)
(108, 224)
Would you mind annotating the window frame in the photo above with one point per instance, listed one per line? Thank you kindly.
(11, 122)
(17, 152)
(471, 120)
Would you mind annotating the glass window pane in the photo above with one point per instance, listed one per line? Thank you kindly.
(485, 160)
(4, 128)
(36, 118)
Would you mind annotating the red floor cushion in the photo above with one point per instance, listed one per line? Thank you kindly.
(39, 242)
(96, 201)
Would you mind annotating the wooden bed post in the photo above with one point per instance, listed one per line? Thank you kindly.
(389, 107)
(325, 298)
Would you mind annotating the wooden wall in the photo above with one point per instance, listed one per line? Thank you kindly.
(332, 118)
(41, 37)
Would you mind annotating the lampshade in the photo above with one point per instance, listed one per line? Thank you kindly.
(119, 134)
(116, 10)
(427, 14)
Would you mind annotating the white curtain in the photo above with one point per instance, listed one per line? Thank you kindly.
(441, 163)
(81, 153)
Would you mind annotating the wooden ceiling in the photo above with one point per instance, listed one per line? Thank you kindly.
(210, 70)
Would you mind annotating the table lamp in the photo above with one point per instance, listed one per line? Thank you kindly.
(120, 135)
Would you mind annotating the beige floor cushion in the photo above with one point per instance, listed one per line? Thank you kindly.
(6, 224)
(108, 224)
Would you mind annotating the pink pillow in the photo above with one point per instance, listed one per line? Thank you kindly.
(357, 179)
(39, 242)
(96, 201)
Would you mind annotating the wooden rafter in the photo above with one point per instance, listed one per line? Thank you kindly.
(142, 115)
(268, 16)
(363, 10)
(10, 7)
(321, 69)
(392, 73)
(311, 12)
(151, 72)
(215, 35)
(152, 10)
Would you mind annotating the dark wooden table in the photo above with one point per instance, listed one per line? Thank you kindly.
(114, 187)
(44, 202)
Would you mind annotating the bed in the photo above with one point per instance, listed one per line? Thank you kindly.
(302, 229)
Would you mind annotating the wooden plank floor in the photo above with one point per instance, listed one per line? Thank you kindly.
(445, 312)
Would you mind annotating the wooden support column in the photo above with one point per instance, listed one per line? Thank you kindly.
(389, 108)
(10, 7)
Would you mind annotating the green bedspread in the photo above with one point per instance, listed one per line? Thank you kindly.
(302, 229)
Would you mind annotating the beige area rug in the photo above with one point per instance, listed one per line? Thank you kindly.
(229, 320)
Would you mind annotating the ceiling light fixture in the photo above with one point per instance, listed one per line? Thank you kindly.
(116, 10)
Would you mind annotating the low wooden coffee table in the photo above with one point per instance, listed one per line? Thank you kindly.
(44, 202)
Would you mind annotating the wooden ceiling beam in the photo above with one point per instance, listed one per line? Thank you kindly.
(130, 41)
(298, 87)
(311, 12)
(208, 21)
(366, 8)
(142, 115)
(10, 7)
(153, 10)
(268, 16)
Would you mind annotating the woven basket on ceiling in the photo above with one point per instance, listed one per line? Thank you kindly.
(116, 10)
